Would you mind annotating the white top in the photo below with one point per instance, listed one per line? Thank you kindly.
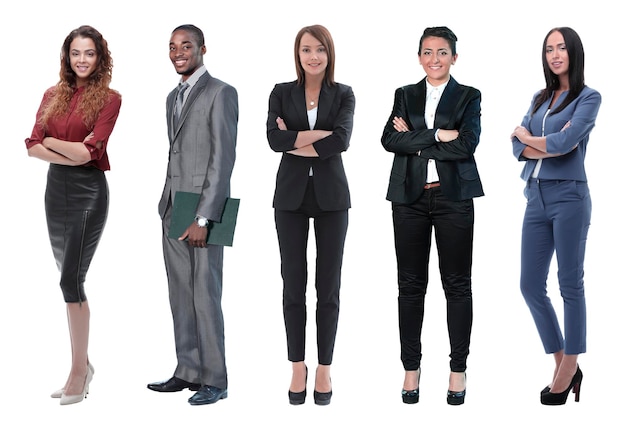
(535, 173)
(433, 95)
(312, 114)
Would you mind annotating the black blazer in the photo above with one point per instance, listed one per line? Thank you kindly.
(335, 113)
(458, 109)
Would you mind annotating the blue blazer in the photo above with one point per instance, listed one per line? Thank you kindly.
(572, 142)
(335, 112)
(458, 109)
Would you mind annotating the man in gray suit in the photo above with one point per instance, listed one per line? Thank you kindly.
(202, 115)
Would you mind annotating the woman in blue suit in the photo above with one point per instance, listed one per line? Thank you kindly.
(310, 123)
(433, 131)
(552, 142)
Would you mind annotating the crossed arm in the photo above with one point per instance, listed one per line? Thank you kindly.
(304, 140)
(63, 152)
(443, 135)
(535, 145)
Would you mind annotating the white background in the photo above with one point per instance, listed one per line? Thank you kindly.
(250, 45)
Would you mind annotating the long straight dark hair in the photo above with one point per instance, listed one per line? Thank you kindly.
(575, 71)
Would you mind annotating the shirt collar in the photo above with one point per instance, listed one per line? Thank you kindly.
(191, 80)
(430, 88)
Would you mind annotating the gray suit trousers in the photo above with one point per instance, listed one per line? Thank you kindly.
(195, 290)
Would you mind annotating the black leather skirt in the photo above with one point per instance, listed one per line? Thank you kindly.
(77, 202)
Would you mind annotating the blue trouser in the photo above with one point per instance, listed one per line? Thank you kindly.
(557, 218)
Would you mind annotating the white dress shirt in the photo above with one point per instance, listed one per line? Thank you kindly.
(433, 95)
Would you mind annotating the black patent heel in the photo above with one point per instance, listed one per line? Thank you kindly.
(411, 397)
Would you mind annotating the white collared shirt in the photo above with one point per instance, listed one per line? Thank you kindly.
(433, 95)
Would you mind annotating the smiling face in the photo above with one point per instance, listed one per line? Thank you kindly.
(185, 54)
(313, 56)
(556, 55)
(436, 58)
(83, 58)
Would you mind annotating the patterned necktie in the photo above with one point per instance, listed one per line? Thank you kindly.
(179, 101)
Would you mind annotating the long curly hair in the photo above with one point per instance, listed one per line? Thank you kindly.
(97, 91)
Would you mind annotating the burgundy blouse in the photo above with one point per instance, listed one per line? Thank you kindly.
(70, 127)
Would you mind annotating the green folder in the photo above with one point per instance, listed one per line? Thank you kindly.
(184, 213)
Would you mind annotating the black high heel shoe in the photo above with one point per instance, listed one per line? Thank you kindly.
(322, 399)
(412, 396)
(550, 398)
(299, 397)
(457, 397)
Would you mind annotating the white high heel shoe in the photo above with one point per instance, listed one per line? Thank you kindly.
(75, 398)
(58, 393)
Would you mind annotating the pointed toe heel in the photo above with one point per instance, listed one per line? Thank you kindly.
(76, 398)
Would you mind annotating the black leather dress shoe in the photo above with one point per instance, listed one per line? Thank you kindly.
(173, 384)
(208, 395)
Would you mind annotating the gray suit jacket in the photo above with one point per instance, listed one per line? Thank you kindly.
(201, 159)
(202, 155)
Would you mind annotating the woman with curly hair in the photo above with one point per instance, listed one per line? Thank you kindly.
(73, 125)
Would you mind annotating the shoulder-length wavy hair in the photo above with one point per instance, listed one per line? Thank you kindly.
(575, 71)
(97, 91)
(322, 34)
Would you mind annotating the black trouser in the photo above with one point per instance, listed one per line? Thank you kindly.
(453, 223)
(330, 233)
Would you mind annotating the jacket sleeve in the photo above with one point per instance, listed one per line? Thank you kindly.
(409, 142)
(518, 147)
(223, 120)
(581, 123)
(464, 146)
(339, 140)
(279, 140)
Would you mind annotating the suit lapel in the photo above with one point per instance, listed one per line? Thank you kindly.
(415, 104)
(195, 91)
(324, 105)
(299, 103)
(447, 105)
(169, 111)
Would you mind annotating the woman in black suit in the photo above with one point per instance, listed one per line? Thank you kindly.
(310, 123)
(433, 131)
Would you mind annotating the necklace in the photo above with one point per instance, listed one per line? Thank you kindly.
(312, 100)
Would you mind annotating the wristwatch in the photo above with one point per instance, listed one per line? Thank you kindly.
(201, 221)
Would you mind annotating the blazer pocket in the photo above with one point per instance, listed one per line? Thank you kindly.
(467, 169)
(198, 180)
(398, 170)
